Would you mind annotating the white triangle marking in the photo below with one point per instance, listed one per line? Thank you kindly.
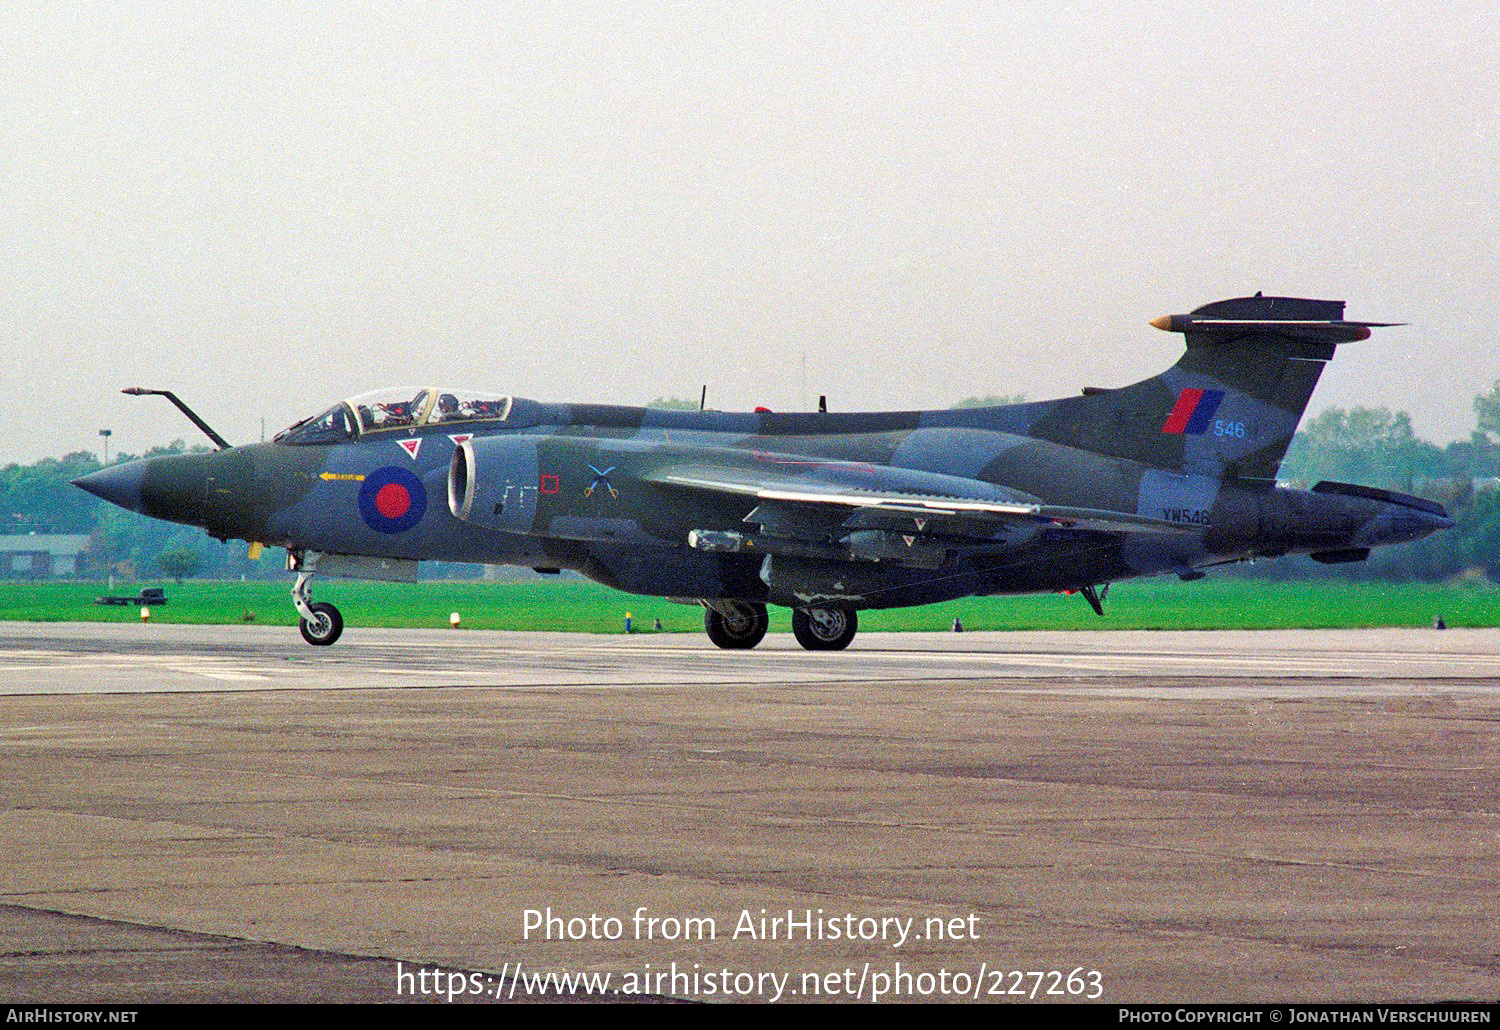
(411, 446)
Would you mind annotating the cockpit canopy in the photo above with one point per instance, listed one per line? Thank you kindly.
(383, 410)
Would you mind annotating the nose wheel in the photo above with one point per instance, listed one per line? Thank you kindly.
(824, 629)
(320, 623)
(324, 627)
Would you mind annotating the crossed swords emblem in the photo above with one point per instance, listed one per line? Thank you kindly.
(602, 476)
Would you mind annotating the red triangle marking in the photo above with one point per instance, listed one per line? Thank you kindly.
(459, 438)
(411, 446)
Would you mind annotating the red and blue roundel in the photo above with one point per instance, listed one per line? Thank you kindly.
(392, 500)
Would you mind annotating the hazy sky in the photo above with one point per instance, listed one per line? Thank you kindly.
(270, 206)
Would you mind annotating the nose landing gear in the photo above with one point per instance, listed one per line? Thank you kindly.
(321, 624)
(324, 627)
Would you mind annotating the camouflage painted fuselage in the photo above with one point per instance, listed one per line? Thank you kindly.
(855, 510)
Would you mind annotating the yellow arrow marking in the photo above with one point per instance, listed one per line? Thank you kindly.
(353, 477)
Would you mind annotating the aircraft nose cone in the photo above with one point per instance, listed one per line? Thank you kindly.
(117, 484)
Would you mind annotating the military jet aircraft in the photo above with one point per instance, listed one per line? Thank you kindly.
(825, 513)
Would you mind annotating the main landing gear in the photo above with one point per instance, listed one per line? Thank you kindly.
(735, 625)
(740, 625)
(321, 623)
(824, 629)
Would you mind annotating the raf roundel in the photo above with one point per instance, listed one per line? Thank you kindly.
(392, 500)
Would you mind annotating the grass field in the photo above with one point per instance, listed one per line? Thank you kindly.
(580, 606)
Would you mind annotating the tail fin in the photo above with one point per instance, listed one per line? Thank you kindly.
(1230, 405)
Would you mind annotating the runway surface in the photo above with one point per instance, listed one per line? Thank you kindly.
(224, 813)
(65, 658)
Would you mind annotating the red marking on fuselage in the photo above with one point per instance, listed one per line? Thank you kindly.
(392, 501)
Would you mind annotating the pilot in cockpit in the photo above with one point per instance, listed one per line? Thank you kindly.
(447, 408)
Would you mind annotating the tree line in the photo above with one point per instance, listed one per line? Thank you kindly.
(1377, 447)
(1370, 446)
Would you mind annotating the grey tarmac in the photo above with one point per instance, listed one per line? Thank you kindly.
(218, 813)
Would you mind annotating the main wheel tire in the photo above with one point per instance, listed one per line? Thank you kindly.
(326, 629)
(741, 630)
(824, 629)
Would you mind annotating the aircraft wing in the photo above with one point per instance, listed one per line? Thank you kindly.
(875, 507)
